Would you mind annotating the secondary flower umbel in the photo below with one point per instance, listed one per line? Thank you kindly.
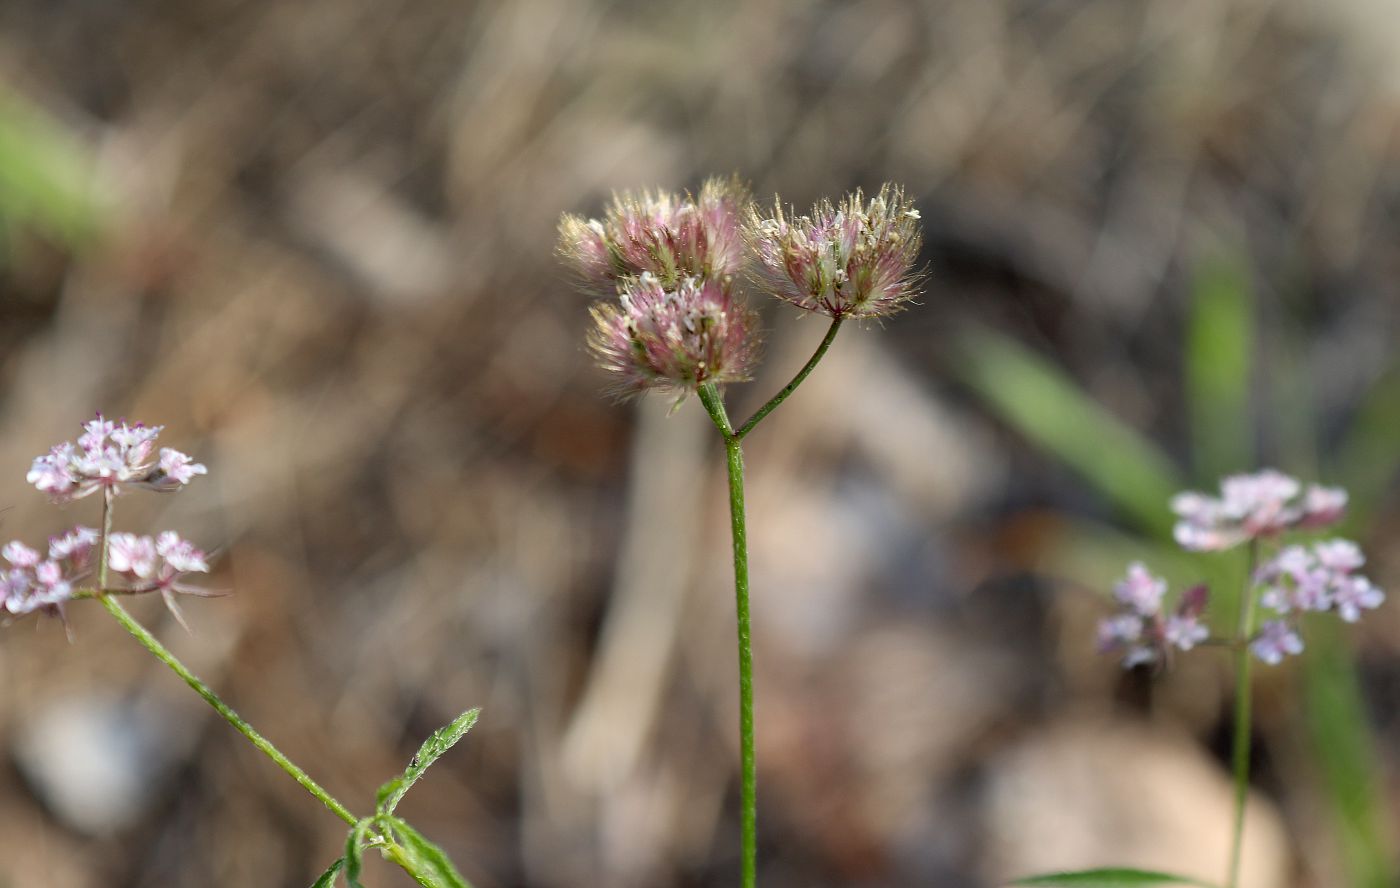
(111, 456)
(853, 260)
(1140, 630)
(33, 582)
(673, 339)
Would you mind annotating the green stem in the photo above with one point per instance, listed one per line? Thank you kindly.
(791, 387)
(1244, 629)
(149, 642)
(734, 454)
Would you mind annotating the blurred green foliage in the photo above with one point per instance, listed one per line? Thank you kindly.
(45, 180)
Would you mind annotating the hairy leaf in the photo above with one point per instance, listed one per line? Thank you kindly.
(443, 739)
(431, 865)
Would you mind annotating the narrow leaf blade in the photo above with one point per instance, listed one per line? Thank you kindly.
(1219, 362)
(1054, 412)
(354, 852)
(327, 879)
(443, 739)
(431, 864)
(1113, 877)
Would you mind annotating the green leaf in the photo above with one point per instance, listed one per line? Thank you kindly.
(1219, 359)
(430, 864)
(1109, 878)
(354, 851)
(1053, 411)
(44, 173)
(327, 879)
(443, 739)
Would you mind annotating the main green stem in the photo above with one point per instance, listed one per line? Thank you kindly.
(734, 461)
(748, 782)
(149, 642)
(1244, 629)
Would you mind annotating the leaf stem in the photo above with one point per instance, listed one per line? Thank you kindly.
(791, 387)
(734, 458)
(149, 642)
(1243, 704)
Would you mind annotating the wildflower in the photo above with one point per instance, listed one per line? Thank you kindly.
(1140, 630)
(1354, 594)
(1276, 640)
(853, 260)
(1320, 577)
(158, 565)
(674, 339)
(1140, 591)
(1253, 506)
(667, 235)
(34, 583)
(110, 456)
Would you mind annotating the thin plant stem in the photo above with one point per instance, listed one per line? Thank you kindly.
(149, 642)
(791, 387)
(734, 459)
(1243, 706)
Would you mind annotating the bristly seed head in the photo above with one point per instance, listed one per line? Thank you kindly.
(852, 260)
(673, 339)
(671, 236)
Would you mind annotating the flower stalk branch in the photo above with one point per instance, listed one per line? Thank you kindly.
(149, 642)
(791, 387)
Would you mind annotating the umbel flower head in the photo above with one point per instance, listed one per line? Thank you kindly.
(31, 582)
(852, 260)
(111, 456)
(670, 236)
(673, 339)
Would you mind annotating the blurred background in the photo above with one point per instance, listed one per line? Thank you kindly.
(315, 240)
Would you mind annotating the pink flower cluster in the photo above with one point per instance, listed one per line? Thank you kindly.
(1319, 577)
(158, 564)
(111, 456)
(33, 582)
(674, 261)
(851, 260)
(1140, 629)
(1264, 504)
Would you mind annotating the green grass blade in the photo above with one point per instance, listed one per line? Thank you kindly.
(1219, 360)
(1108, 878)
(1053, 411)
(1342, 747)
